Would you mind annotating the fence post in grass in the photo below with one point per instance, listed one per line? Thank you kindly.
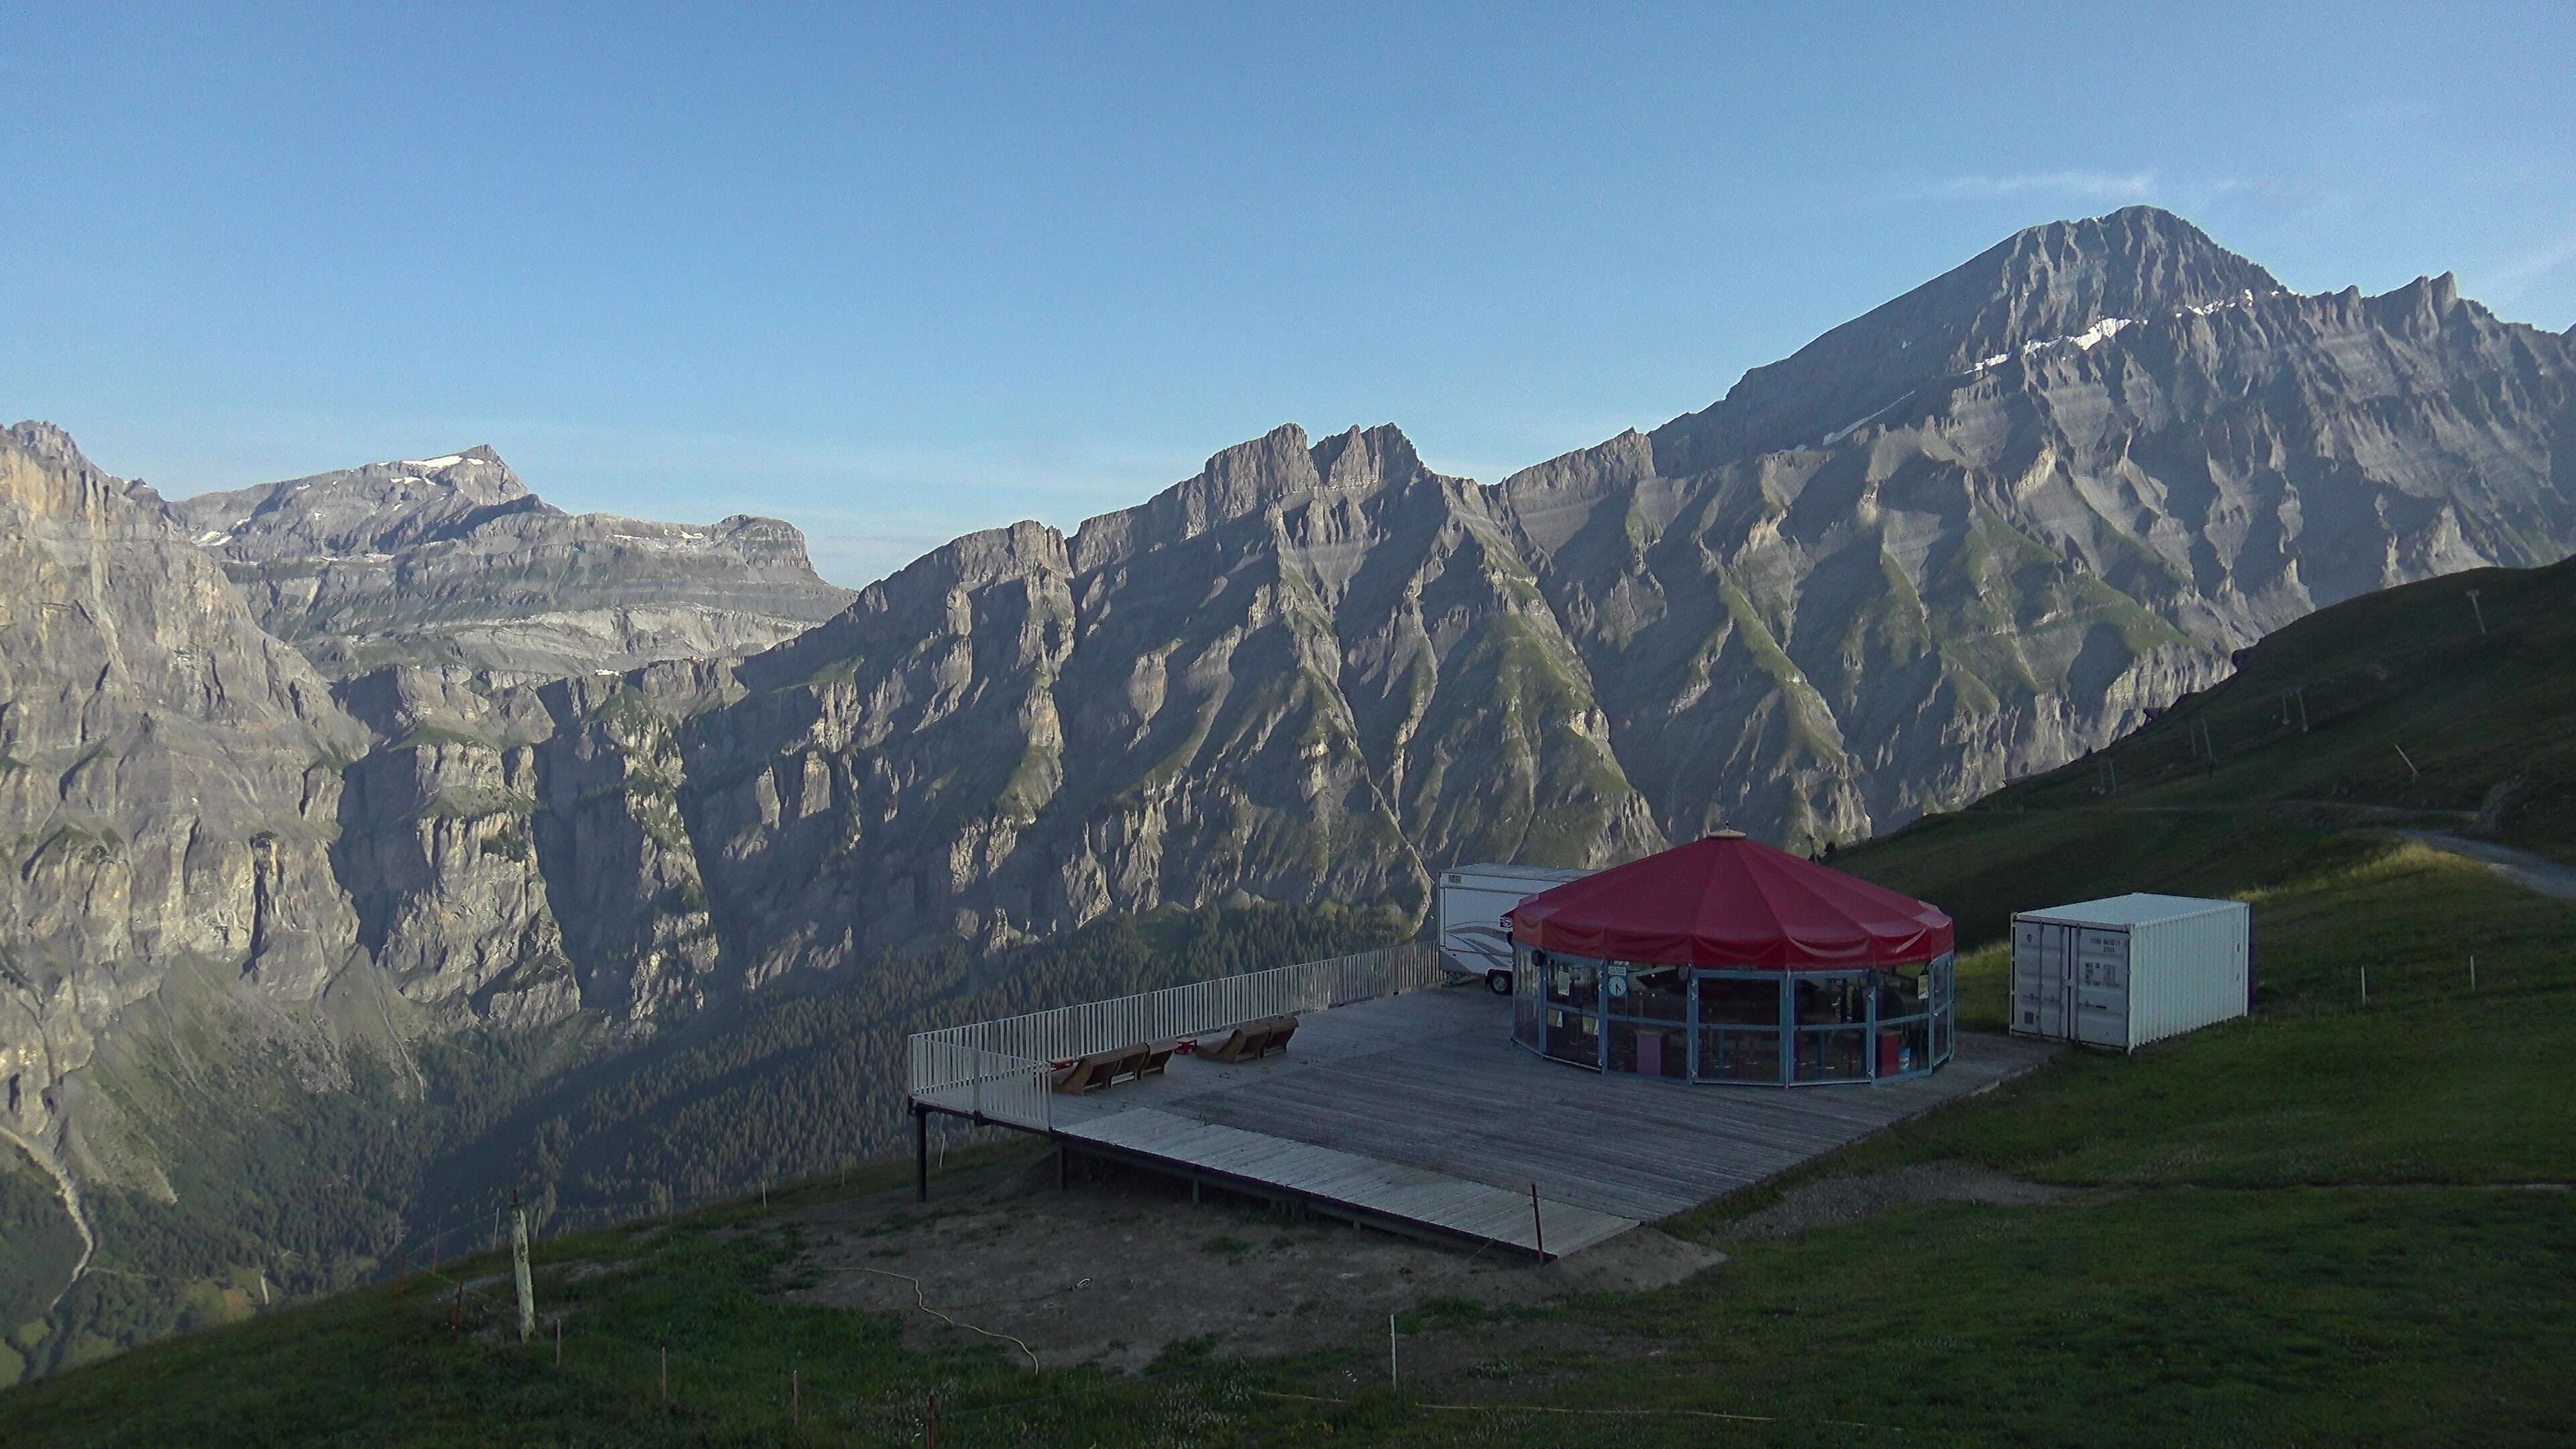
(930, 1431)
(2365, 986)
(519, 1271)
(2473, 971)
(558, 1340)
(456, 1315)
(795, 1400)
(666, 1374)
(1392, 1381)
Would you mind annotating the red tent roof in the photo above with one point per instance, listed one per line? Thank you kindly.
(1727, 901)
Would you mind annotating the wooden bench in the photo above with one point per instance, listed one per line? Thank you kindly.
(1253, 1040)
(1102, 1069)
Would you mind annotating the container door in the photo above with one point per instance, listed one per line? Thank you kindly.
(2025, 975)
(2042, 952)
(2102, 987)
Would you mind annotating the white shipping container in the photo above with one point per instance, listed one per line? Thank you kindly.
(2129, 970)
(1472, 900)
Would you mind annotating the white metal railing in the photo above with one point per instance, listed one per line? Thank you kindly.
(1000, 1069)
(981, 1083)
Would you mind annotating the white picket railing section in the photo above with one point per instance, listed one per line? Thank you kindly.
(1000, 1070)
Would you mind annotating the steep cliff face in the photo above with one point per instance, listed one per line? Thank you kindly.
(451, 560)
(169, 781)
(515, 846)
(223, 878)
(1289, 676)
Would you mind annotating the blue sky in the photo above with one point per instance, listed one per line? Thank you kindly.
(899, 273)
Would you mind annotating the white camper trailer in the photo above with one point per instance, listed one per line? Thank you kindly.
(2129, 970)
(1473, 899)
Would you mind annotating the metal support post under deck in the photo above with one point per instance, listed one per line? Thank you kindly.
(921, 1151)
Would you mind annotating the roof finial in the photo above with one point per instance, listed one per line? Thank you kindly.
(1726, 835)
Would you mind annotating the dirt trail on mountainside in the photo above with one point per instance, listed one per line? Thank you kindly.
(2535, 872)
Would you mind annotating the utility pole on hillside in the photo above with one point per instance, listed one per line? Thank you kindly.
(2478, 610)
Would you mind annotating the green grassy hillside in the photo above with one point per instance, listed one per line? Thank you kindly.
(2331, 1223)
(2411, 717)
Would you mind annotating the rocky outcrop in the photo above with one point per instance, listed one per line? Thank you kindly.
(1299, 674)
(515, 845)
(170, 780)
(452, 561)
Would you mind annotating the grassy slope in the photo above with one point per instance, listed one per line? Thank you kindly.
(2316, 1226)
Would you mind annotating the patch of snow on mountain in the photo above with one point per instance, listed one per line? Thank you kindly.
(1847, 429)
(2242, 299)
(434, 464)
(2083, 341)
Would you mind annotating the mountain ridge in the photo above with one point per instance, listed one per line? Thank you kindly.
(452, 560)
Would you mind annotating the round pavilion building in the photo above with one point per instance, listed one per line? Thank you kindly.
(1728, 961)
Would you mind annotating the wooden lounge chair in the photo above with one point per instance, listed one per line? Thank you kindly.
(1253, 1040)
(1158, 1059)
(1281, 1028)
(1102, 1068)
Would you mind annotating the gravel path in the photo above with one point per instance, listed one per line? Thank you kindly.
(2538, 872)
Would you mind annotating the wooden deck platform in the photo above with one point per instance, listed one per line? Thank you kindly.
(1420, 1108)
(1390, 1192)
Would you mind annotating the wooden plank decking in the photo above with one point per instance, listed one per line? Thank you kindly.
(1419, 1107)
(1367, 1186)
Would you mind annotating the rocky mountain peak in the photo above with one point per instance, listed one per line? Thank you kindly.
(1245, 479)
(2065, 280)
(2134, 262)
(452, 560)
(53, 445)
(477, 474)
(1366, 458)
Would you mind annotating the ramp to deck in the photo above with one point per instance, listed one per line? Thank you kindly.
(1392, 1193)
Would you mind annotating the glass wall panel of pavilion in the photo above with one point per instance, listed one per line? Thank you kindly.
(1648, 1032)
(1906, 999)
(1831, 1015)
(1945, 1011)
(1571, 1010)
(1739, 1025)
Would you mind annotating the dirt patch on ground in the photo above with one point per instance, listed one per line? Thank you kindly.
(1832, 1201)
(1124, 1267)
